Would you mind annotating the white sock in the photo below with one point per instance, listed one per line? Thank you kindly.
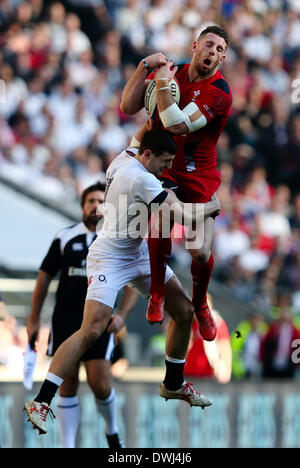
(108, 409)
(54, 379)
(68, 413)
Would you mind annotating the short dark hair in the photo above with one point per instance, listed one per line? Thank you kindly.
(158, 141)
(92, 188)
(215, 30)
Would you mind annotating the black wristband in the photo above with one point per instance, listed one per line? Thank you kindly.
(145, 64)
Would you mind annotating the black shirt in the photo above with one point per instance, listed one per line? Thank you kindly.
(67, 255)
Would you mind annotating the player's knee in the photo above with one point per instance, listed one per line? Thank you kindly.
(185, 314)
(90, 332)
(202, 255)
(101, 389)
(95, 330)
(92, 329)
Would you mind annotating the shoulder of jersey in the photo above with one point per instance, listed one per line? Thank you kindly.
(76, 229)
(115, 164)
(221, 84)
(181, 69)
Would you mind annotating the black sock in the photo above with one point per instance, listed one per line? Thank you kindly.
(174, 375)
(47, 392)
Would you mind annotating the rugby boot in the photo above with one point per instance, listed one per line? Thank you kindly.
(155, 312)
(185, 393)
(207, 324)
(37, 414)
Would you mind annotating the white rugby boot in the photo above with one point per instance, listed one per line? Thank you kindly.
(185, 393)
(37, 414)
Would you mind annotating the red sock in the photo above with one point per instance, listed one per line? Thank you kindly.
(201, 276)
(160, 251)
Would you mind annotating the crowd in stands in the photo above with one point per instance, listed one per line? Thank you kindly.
(65, 63)
(268, 348)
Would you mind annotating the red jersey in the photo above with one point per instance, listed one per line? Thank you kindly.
(197, 150)
(194, 169)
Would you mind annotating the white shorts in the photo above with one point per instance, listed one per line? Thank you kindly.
(109, 273)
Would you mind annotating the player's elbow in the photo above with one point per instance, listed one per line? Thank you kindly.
(178, 129)
(129, 106)
(126, 108)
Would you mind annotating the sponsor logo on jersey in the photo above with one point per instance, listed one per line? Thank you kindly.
(73, 271)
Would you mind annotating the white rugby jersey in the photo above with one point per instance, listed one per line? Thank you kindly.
(130, 190)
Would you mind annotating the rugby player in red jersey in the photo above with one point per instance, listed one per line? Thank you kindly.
(196, 123)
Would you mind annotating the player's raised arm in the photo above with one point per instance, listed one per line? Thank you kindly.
(136, 140)
(175, 120)
(195, 212)
(134, 90)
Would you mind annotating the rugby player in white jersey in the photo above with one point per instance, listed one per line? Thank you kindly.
(118, 257)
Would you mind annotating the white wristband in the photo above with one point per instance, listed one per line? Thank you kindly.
(134, 143)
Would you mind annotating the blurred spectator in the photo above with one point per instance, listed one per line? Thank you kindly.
(77, 42)
(277, 346)
(294, 219)
(15, 89)
(11, 354)
(246, 344)
(210, 359)
(231, 242)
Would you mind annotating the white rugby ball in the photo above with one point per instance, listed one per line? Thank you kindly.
(150, 96)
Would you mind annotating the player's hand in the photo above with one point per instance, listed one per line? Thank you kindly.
(149, 124)
(116, 324)
(33, 328)
(156, 60)
(166, 71)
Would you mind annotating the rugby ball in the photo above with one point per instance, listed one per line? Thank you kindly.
(150, 96)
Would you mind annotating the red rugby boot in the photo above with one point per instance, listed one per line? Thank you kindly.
(155, 312)
(207, 324)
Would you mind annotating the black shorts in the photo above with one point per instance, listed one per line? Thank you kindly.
(61, 330)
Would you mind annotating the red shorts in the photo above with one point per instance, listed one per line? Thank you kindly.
(193, 187)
